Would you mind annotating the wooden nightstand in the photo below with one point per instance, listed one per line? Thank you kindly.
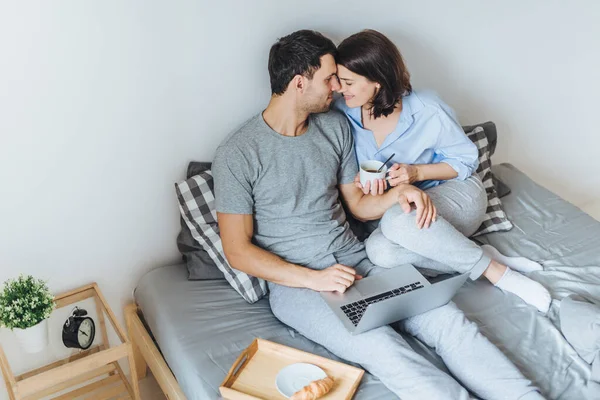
(98, 365)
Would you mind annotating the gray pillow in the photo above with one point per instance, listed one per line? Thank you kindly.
(501, 188)
(199, 264)
(197, 167)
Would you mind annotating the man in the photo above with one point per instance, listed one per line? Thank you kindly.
(279, 183)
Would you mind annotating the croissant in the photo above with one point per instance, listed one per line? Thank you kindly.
(314, 390)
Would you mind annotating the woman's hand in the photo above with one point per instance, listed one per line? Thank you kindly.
(377, 188)
(403, 173)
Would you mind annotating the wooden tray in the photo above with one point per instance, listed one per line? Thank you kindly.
(252, 375)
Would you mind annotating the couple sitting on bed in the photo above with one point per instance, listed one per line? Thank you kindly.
(279, 185)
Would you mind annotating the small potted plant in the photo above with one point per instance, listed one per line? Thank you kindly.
(25, 305)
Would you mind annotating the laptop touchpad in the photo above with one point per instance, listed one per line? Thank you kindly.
(369, 286)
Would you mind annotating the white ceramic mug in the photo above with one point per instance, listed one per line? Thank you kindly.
(371, 165)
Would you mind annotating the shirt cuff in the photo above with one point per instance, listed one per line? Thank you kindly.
(463, 171)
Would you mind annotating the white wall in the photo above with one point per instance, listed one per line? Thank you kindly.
(102, 105)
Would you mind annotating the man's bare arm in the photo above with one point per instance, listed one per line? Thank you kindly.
(366, 207)
(236, 235)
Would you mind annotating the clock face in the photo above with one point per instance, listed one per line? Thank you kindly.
(86, 332)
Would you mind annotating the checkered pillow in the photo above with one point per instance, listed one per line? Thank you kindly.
(495, 218)
(197, 207)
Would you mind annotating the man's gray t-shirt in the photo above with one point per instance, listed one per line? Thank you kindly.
(290, 185)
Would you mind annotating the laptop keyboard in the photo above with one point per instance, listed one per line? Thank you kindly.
(354, 311)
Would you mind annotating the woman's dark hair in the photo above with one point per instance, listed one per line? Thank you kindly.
(298, 53)
(374, 56)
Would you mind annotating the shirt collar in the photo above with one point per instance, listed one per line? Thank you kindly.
(411, 105)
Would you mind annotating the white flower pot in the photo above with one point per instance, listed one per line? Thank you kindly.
(33, 339)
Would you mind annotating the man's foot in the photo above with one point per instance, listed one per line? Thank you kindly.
(527, 289)
(521, 264)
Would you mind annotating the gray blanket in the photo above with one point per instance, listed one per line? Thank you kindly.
(202, 326)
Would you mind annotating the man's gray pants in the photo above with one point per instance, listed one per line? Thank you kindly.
(471, 357)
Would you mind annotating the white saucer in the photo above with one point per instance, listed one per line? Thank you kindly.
(295, 376)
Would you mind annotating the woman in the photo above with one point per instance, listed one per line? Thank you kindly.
(430, 151)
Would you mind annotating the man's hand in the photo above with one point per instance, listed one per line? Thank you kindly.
(403, 173)
(338, 278)
(426, 211)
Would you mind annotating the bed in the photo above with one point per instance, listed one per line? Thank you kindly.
(201, 327)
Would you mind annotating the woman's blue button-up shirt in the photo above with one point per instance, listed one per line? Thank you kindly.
(428, 132)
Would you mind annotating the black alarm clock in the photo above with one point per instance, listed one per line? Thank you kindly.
(78, 331)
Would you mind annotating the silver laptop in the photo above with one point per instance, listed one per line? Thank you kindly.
(390, 296)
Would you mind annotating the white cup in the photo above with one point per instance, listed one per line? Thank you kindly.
(372, 165)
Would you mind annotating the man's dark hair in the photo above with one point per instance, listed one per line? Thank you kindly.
(298, 53)
(374, 56)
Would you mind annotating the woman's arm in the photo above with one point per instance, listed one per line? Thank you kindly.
(454, 148)
(410, 173)
(441, 171)
(455, 155)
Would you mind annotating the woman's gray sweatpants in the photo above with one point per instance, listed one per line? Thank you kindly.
(472, 359)
(444, 246)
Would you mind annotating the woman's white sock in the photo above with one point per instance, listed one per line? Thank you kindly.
(527, 289)
(521, 264)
